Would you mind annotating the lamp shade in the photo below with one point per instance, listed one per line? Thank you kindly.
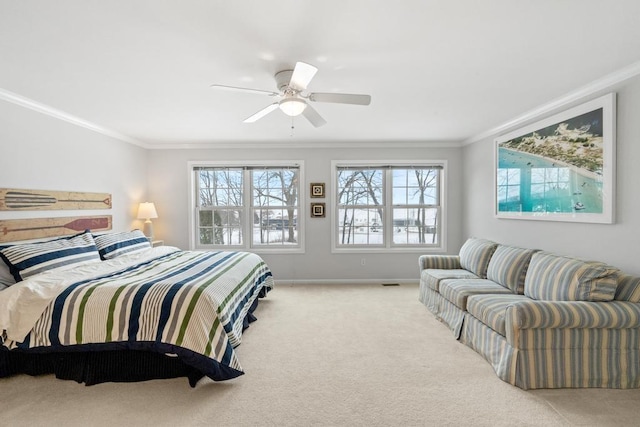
(293, 106)
(147, 210)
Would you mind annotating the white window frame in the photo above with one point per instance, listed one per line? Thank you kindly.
(388, 246)
(247, 207)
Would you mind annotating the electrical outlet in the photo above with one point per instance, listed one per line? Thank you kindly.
(363, 261)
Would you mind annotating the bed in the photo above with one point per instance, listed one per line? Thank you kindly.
(112, 308)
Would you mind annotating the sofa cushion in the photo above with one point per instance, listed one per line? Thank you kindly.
(553, 277)
(491, 309)
(441, 262)
(508, 267)
(475, 255)
(456, 291)
(628, 287)
(432, 277)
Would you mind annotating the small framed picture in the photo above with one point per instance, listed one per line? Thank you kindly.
(317, 189)
(317, 210)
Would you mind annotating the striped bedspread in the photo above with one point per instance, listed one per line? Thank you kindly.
(187, 303)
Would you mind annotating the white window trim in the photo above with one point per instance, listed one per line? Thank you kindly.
(332, 206)
(248, 163)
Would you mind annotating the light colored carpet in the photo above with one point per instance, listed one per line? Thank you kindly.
(327, 355)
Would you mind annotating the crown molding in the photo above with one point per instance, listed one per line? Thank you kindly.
(305, 144)
(25, 102)
(593, 88)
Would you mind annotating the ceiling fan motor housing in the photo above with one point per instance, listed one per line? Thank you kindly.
(282, 79)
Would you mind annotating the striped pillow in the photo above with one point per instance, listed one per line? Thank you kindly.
(556, 278)
(508, 267)
(475, 255)
(113, 245)
(33, 258)
(6, 278)
(628, 288)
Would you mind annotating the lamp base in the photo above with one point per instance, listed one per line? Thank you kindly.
(148, 230)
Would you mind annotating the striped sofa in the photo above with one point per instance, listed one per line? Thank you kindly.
(541, 320)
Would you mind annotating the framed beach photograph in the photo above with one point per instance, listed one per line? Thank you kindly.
(317, 210)
(561, 168)
(317, 189)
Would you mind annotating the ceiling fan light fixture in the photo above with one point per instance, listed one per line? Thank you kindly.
(292, 106)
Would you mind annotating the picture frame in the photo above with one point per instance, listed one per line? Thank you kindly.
(561, 168)
(317, 189)
(317, 210)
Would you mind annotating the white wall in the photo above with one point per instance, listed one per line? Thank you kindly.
(617, 244)
(42, 152)
(168, 188)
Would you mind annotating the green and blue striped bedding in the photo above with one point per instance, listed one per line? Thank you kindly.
(191, 304)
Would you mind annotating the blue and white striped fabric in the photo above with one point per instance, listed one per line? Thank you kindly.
(628, 287)
(432, 277)
(475, 255)
(457, 291)
(508, 267)
(440, 262)
(192, 304)
(559, 357)
(33, 258)
(492, 309)
(112, 245)
(557, 278)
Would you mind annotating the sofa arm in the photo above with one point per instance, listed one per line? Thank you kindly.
(535, 314)
(441, 262)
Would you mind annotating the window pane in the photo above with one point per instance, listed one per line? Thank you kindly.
(220, 187)
(275, 227)
(275, 191)
(220, 226)
(221, 216)
(363, 206)
(399, 196)
(360, 187)
(415, 226)
(360, 227)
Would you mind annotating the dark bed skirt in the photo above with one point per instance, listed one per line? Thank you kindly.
(95, 367)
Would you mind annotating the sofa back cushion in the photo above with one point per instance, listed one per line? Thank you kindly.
(475, 255)
(553, 277)
(628, 288)
(508, 267)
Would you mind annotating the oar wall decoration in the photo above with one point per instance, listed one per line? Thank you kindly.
(39, 200)
(35, 228)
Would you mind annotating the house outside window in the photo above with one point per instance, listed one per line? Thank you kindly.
(249, 206)
(388, 207)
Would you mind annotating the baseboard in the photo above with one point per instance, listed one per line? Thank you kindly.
(346, 282)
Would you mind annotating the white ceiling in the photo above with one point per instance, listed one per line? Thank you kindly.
(437, 70)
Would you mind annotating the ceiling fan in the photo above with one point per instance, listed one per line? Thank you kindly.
(294, 98)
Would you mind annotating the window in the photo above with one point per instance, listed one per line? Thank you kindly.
(388, 206)
(247, 206)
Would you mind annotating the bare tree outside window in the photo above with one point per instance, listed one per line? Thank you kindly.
(260, 202)
(275, 195)
(408, 216)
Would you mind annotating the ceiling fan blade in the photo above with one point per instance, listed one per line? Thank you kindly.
(260, 114)
(341, 98)
(302, 75)
(244, 89)
(312, 115)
